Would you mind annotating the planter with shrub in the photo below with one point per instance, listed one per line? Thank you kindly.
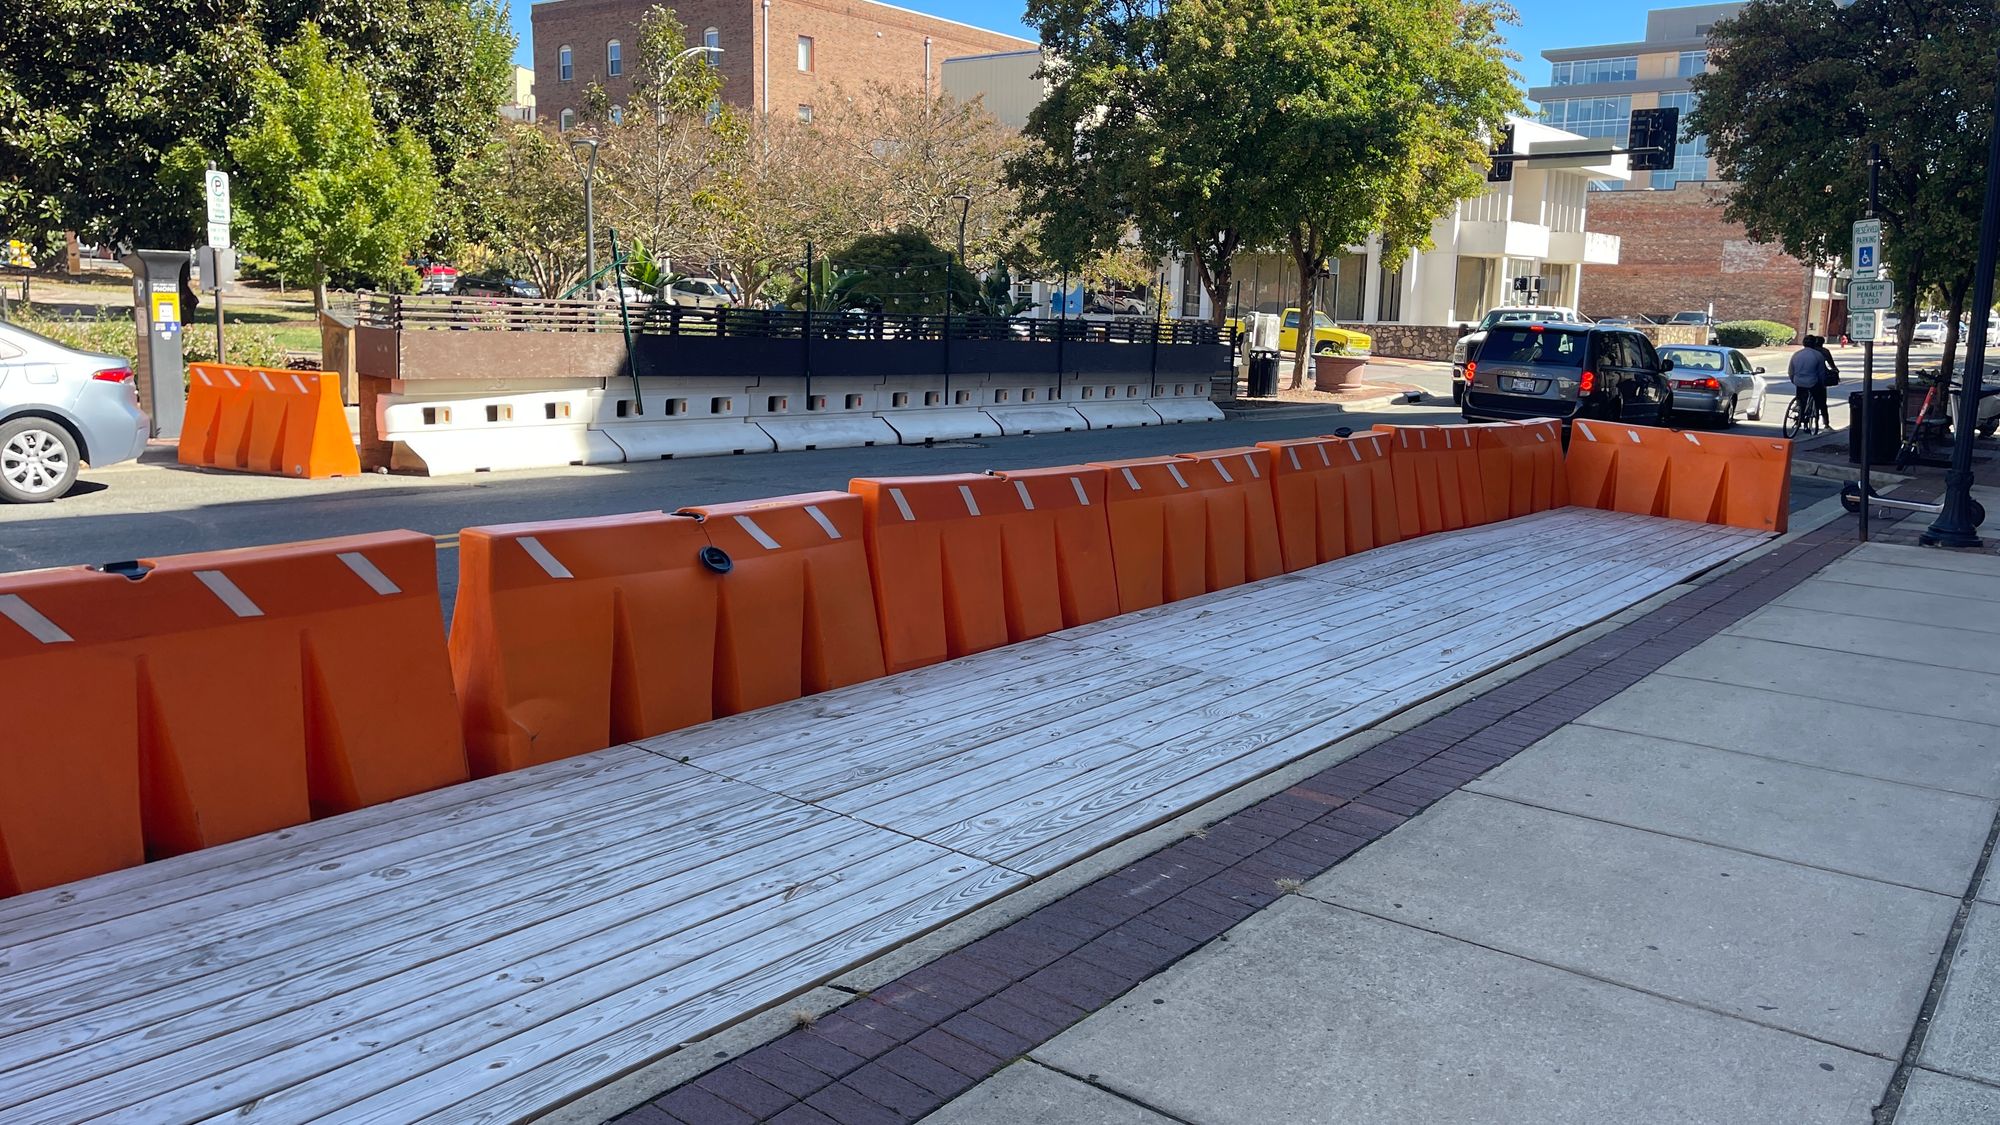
(1753, 334)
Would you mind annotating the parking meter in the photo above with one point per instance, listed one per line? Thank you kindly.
(156, 312)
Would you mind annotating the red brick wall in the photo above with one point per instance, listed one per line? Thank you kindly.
(855, 43)
(1678, 252)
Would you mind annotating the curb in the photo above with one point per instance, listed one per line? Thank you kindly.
(1303, 409)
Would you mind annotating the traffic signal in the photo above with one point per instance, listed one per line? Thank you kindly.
(1503, 157)
(1653, 136)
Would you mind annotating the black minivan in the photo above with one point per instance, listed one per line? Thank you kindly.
(1567, 371)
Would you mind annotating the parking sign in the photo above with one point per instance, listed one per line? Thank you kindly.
(1866, 261)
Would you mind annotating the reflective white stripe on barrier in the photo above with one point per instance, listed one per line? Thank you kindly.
(1220, 468)
(971, 505)
(1027, 501)
(228, 593)
(550, 565)
(825, 524)
(1083, 497)
(1131, 481)
(902, 505)
(1176, 472)
(14, 609)
(1250, 463)
(369, 573)
(762, 537)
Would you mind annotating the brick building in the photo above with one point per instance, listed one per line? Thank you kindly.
(778, 56)
(1678, 252)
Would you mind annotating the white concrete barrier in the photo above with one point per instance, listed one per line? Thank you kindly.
(445, 432)
(682, 418)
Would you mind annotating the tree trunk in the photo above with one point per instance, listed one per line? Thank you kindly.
(319, 294)
(1947, 364)
(1306, 254)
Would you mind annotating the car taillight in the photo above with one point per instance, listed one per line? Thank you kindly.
(114, 375)
(1708, 384)
(1589, 383)
(1471, 370)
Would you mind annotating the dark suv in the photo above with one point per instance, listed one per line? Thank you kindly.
(1567, 371)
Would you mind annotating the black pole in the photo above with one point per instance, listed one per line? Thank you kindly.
(1868, 355)
(949, 266)
(1062, 324)
(1957, 524)
(625, 322)
(805, 329)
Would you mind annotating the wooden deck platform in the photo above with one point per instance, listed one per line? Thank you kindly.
(494, 950)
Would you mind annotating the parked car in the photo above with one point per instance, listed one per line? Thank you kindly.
(699, 292)
(60, 408)
(1631, 321)
(1567, 371)
(1695, 317)
(1714, 383)
(436, 277)
(1928, 332)
(1462, 352)
(1328, 336)
(495, 285)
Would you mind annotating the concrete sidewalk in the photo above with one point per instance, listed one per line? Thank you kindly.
(1722, 895)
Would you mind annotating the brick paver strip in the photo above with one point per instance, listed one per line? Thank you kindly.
(912, 1045)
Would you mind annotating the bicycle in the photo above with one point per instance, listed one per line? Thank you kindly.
(1802, 416)
(1928, 434)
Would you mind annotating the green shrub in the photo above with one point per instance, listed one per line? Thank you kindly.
(1753, 334)
(115, 334)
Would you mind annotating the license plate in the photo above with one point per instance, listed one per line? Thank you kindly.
(1523, 386)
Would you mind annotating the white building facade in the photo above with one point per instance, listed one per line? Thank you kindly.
(1522, 240)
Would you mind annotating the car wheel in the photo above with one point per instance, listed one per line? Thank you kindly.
(38, 460)
(1323, 349)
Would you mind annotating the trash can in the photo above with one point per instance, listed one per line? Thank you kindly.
(1885, 427)
(1263, 374)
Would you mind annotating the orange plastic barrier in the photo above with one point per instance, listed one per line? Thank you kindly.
(1181, 527)
(1521, 466)
(1438, 485)
(1065, 547)
(1242, 516)
(216, 696)
(574, 635)
(936, 556)
(1707, 478)
(797, 609)
(266, 420)
(1334, 497)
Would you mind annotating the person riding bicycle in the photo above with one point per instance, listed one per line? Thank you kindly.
(1811, 370)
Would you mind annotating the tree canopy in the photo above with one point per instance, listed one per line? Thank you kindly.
(321, 186)
(1801, 88)
(94, 97)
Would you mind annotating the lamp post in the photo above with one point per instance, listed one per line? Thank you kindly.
(589, 206)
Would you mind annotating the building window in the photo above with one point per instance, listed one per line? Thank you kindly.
(614, 59)
(1590, 117)
(806, 114)
(1469, 288)
(712, 39)
(1350, 275)
(564, 71)
(805, 54)
(1586, 71)
(567, 121)
(1389, 298)
(1693, 63)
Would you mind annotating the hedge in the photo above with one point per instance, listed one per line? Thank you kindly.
(1753, 334)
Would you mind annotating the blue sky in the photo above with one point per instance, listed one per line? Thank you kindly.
(1544, 24)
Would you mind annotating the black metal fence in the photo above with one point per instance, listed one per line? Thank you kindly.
(683, 340)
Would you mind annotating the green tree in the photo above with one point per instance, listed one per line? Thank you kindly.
(107, 108)
(320, 187)
(1385, 107)
(531, 200)
(900, 271)
(1141, 131)
(1800, 90)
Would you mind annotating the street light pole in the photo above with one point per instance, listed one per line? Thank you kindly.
(589, 208)
(1957, 524)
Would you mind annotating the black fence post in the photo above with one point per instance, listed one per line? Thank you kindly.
(805, 329)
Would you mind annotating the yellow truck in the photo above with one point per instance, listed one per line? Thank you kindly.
(1329, 338)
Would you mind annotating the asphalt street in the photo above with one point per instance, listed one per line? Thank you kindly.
(159, 508)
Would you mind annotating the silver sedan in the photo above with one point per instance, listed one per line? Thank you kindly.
(1714, 383)
(60, 408)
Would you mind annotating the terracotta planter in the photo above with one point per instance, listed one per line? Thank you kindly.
(1337, 372)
